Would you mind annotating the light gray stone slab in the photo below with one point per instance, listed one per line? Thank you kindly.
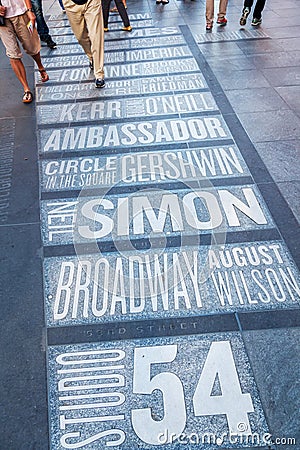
(275, 125)
(133, 86)
(134, 134)
(97, 394)
(132, 43)
(133, 169)
(165, 283)
(281, 158)
(167, 105)
(291, 191)
(256, 100)
(153, 213)
(151, 68)
(274, 357)
(230, 36)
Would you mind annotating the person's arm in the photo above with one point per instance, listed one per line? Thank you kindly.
(2, 10)
(30, 12)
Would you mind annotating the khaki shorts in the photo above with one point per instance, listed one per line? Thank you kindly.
(16, 29)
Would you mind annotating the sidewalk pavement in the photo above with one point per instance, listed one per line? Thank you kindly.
(149, 236)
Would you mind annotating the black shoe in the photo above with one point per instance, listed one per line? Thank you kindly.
(255, 22)
(100, 83)
(50, 43)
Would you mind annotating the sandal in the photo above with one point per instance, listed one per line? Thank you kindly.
(209, 25)
(27, 97)
(44, 75)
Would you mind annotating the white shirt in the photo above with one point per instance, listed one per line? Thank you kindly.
(14, 7)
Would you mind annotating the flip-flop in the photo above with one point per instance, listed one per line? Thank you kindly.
(44, 75)
(27, 97)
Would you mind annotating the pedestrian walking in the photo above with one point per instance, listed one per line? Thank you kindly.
(121, 10)
(42, 27)
(115, 9)
(86, 20)
(20, 27)
(256, 20)
(221, 20)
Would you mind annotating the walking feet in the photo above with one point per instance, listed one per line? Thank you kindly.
(209, 25)
(44, 75)
(222, 21)
(27, 97)
(100, 83)
(127, 28)
(245, 14)
(255, 22)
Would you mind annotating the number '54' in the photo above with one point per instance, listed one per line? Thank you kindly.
(219, 360)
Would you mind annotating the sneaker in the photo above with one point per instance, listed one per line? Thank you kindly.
(100, 83)
(105, 29)
(164, 2)
(158, 2)
(50, 43)
(222, 21)
(245, 14)
(256, 22)
(127, 28)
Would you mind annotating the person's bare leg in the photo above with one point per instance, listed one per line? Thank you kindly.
(19, 69)
(42, 70)
(38, 61)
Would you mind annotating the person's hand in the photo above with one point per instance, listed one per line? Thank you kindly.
(31, 17)
(2, 10)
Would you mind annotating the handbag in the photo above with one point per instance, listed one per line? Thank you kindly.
(2, 20)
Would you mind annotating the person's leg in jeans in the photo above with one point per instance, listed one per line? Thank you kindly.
(42, 27)
(260, 4)
(105, 11)
(123, 13)
(246, 11)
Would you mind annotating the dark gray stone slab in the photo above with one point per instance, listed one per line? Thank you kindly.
(175, 105)
(92, 387)
(7, 133)
(23, 421)
(151, 68)
(275, 125)
(134, 134)
(135, 169)
(256, 100)
(168, 213)
(274, 357)
(133, 86)
(170, 283)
